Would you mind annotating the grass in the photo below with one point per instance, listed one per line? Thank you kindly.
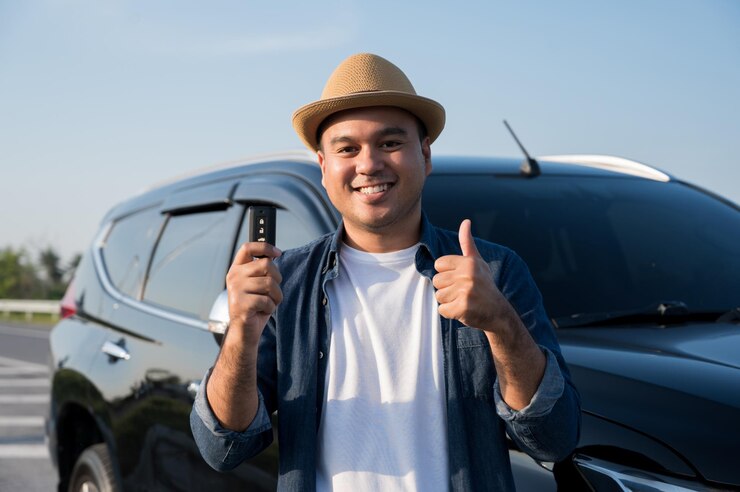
(36, 318)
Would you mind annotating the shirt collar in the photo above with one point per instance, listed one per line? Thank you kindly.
(428, 243)
(428, 238)
(336, 241)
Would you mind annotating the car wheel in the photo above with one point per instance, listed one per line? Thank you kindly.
(93, 471)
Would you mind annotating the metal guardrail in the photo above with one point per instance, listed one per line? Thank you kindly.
(28, 306)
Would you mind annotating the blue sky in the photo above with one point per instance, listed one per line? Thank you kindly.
(100, 99)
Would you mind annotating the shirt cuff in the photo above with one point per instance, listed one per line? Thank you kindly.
(260, 423)
(548, 393)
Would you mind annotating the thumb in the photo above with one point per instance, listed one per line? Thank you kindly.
(467, 244)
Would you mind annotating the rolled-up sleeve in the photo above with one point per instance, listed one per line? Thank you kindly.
(224, 449)
(548, 393)
(548, 428)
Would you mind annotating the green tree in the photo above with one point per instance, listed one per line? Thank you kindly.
(18, 279)
(53, 285)
(49, 260)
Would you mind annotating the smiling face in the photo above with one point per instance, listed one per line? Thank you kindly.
(374, 165)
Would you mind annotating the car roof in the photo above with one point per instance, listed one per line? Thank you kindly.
(554, 165)
(299, 164)
(303, 164)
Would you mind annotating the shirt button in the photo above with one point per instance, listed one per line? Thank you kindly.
(321, 355)
(324, 301)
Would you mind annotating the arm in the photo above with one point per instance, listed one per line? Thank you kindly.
(229, 411)
(254, 293)
(466, 292)
(549, 426)
(533, 391)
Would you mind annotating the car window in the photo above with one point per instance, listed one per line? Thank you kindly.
(291, 231)
(599, 245)
(127, 248)
(190, 262)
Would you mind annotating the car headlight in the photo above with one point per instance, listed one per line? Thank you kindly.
(605, 476)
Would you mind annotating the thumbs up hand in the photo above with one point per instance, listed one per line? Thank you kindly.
(466, 292)
(465, 288)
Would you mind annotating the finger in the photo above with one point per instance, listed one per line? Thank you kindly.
(249, 251)
(447, 310)
(262, 286)
(262, 267)
(465, 236)
(255, 299)
(446, 295)
(263, 305)
(447, 263)
(274, 272)
(239, 277)
(443, 279)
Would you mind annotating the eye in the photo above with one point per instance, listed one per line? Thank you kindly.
(346, 149)
(390, 144)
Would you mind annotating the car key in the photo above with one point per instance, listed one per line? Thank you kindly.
(261, 222)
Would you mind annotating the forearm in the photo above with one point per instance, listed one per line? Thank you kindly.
(548, 428)
(221, 448)
(253, 286)
(519, 362)
(545, 422)
(232, 388)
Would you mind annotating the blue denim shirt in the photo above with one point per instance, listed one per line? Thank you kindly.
(292, 369)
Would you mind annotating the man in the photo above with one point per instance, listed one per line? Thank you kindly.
(397, 354)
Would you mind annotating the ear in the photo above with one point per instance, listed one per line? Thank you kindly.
(322, 165)
(426, 151)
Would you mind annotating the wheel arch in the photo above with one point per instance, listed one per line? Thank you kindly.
(77, 429)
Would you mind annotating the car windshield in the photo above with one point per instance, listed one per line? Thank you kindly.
(602, 245)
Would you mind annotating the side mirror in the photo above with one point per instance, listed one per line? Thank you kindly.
(218, 319)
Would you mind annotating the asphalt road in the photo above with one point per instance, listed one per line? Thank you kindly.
(24, 401)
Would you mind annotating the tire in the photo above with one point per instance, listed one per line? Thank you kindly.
(93, 471)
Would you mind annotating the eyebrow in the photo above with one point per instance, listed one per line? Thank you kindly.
(392, 130)
(385, 132)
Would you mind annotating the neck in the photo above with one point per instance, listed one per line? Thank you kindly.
(385, 240)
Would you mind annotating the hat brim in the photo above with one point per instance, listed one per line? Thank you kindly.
(306, 119)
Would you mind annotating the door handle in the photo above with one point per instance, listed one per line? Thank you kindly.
(115, 351)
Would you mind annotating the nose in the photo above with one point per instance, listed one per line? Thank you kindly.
(369, 161)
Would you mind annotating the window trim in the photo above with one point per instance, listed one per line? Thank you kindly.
(169, 215)
(119, 296)
(284, 184)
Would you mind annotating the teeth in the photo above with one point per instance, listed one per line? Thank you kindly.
(374, 189)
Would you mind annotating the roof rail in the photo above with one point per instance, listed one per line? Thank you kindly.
(610, 163)
(289, 155)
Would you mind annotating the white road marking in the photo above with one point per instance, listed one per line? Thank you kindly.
(13, 421)
(24, 383)
(17, 368)
(24, 451)
(23, 399)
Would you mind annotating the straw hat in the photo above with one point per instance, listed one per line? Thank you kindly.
(361, 81)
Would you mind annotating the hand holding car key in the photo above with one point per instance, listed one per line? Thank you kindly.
(253, 281)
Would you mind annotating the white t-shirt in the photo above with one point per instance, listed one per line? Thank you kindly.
(384, 420)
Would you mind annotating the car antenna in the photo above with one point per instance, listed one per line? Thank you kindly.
(530, 167)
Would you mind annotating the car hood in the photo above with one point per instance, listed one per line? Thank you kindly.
(678, 384)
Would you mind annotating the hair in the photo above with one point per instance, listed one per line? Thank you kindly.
(420, 126)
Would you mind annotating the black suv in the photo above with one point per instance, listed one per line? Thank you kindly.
(640, 273)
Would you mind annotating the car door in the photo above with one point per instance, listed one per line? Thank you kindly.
(158, 347)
